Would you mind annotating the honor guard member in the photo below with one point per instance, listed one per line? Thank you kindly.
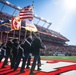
(29, 61)
(35, 47)
(3, 50)
(27, 49)
(15, 50)
(8, 52)
(19, 55)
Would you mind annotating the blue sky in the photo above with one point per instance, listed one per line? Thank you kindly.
(62, 14)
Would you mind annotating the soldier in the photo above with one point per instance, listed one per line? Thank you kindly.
(14, 51)
(8, 52)
(19, 55)
(29, 61)
(27, 49)
(3, 50)
(35, 47)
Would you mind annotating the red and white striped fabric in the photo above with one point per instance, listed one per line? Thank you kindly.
(26, 13)
(16, 23)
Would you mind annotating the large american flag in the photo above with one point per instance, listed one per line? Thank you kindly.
(26, 13)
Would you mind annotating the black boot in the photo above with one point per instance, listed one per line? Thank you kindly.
(31, 73)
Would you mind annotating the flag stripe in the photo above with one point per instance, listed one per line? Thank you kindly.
(26, 13)
(16, 24)
(26, 17)
(23, 11)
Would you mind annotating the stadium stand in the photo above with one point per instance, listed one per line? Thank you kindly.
(54, 41)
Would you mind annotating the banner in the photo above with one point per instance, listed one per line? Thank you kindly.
(16, 23)
(5, 25)
(30, 26)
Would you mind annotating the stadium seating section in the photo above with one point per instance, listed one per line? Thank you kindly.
(55, 44)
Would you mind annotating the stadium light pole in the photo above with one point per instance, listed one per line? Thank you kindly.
(38, 22)
(19, 7)
(2, 7)
(42, 18)
(8, 2)
(43, 24)
(43, 21)
(49, 24)
(13, 12)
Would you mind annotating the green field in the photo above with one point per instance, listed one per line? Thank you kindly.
(72, 58)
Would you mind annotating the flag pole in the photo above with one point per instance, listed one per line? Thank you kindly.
(25, 35)
(7, 36)
(19, 34)
(14, 30)
(14, 34)
(25, 31)
(1, 35)
(0, 38)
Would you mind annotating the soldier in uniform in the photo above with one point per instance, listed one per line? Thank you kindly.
(8, 52)
(14, 51)
(19, 55)
(3, 50)
(27, 49)
(29, 61)
(35, 47)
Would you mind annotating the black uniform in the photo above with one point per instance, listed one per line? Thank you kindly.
(3, 49)
(29, 61)
(19, 56)
(8, 53)
(35, 46)
(27, 49)
(14, 51)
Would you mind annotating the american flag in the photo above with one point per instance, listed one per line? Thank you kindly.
(26, 13)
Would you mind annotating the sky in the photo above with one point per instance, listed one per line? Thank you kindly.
(62, 14)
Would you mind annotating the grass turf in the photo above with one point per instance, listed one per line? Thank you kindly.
(72, 58)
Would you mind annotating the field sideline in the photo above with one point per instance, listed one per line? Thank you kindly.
(51, 65)
(71, 58)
